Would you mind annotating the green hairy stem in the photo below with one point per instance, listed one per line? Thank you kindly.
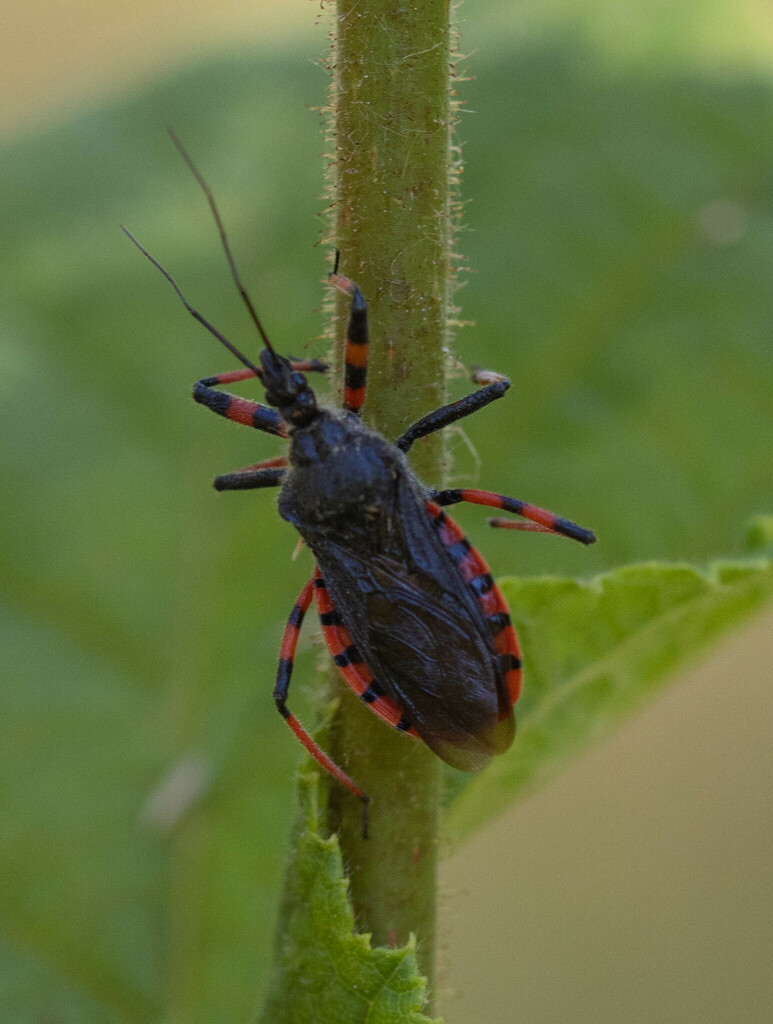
(393, 208)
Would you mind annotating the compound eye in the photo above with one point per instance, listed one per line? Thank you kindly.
(298, 380)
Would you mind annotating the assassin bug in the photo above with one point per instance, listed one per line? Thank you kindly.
(409, 610)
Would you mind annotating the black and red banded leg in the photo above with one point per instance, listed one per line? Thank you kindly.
(476, 574)
(269, 473)
(284, 674)
(539, 519)
(347, 658)
(241, 410)
(356, 355)
(236, 409)
(308, 365)
(493, 386)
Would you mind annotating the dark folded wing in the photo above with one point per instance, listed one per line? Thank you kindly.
(425, 640)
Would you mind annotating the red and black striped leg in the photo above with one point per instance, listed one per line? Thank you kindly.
(356, 357)
(241, 479)
(540, 520)
(494, 386)
(249, 479)
(477, 576)
(284, 673)
(239, 410)
(309, 365)
(350, 664)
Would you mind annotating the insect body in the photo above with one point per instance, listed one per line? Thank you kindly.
(408, 608)
(396, 609)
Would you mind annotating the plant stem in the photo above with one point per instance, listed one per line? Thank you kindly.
(392, 222)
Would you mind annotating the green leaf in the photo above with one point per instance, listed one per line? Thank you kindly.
(595, 650)
(327, 973)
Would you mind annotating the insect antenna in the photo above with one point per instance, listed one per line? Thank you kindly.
(194, 312)
(221, 229)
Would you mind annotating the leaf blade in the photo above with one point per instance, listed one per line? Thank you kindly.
(594, 651)
(326, 972)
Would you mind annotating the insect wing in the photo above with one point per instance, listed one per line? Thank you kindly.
(427, 647)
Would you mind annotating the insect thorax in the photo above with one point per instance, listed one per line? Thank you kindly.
(343, 476)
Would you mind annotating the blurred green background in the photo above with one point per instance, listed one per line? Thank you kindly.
(619, 173)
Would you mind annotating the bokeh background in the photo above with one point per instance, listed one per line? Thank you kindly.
(619, 168)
